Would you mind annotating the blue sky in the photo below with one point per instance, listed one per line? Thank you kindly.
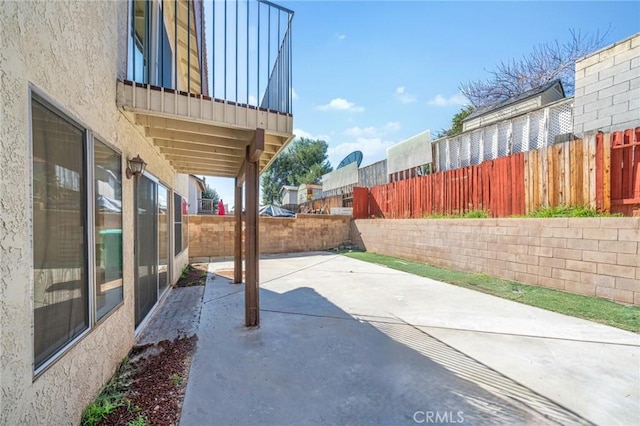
(368, 74)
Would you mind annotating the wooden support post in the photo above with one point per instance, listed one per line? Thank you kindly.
(237, 248)
(252, 246)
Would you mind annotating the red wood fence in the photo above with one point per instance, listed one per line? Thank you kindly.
(603, 171)
(624, 170)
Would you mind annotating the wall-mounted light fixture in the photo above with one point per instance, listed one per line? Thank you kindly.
(135, 167)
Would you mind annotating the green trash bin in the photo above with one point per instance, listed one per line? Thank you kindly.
(111, 253)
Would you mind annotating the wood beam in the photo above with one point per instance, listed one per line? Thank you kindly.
(252, 250)
(237, 247)
(167, 146)
(206, 172)
(203, 158)
(211, 166)
(256, 147)
(175, 135)
(240, 178)
(191, 126)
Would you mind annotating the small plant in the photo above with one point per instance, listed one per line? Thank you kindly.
(176, 379)
(185, 271)
(568, 211)
(476, 214)
(139, 421)
(100, 409)
(109, 398)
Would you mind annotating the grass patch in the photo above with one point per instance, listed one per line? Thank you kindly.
(586, 307)
(110, 397)
(568, 211)
(473, 214)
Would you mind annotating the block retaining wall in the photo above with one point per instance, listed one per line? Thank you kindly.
(592, 256)
(212, 237)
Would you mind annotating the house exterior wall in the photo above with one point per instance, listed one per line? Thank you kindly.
(72, 53)
(607, 88)
(289, 196)
(193, 196)
(592, 256)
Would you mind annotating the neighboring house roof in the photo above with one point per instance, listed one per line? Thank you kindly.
(311, 185)
(288, 188)
(515, 99)
(199, 182)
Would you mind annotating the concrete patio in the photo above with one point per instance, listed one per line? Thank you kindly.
(347, 342)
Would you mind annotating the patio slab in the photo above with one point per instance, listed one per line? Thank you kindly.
(347, 342)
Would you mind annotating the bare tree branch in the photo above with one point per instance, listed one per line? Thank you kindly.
(546, 62)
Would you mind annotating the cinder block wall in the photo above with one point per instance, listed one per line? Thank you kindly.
(607, 88)
(592, 256)
(213, 236)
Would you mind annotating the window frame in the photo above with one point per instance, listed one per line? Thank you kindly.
(93, 198)
(88, 199)
(182, 223)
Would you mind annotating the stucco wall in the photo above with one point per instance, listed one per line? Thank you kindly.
(213, 236)
(593, 256)
(72, 52)
(607, 90)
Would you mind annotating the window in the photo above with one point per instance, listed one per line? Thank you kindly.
(74, 239)
(61, 290)
(181, 223)
(108, 228)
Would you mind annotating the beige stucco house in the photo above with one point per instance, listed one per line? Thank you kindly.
(87, 248)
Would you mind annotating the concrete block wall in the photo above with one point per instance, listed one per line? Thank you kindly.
(213, 236)
(607, 88)
(592, 256)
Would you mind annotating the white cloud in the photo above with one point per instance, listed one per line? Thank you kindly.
(294, 94)
(253, 100)
(373, 149)
(303, 134)
(369, 132)
(340, 36)
(340, 104)
(456, 99)
(372, 141)
(403, 96)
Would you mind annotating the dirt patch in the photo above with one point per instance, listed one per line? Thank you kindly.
(152, 383)
(193, 274)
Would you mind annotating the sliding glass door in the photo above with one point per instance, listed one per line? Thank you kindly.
(146, 289)
(164, 232)
(153, 248)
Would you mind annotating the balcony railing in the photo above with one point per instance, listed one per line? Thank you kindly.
(235, 51)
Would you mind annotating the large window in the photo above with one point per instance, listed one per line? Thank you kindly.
(74, 239)
(61, 291)
(108, 228)
(181, 223)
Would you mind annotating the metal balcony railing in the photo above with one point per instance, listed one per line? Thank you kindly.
(235, 51)
(206, 206)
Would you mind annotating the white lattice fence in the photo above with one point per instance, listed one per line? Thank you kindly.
(534, 130)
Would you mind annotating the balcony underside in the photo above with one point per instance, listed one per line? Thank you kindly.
(200, 135)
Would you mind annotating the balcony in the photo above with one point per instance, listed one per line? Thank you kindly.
(203, 76)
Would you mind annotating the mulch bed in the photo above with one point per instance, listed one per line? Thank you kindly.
(158, 379)
(193, 274)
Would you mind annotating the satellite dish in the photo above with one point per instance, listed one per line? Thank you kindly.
(354, 157)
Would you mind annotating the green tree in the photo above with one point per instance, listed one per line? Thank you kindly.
(456, 123)
(304, 161)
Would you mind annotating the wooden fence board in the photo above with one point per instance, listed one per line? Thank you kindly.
(579, 172)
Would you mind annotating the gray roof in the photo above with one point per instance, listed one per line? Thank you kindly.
(515, 99)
